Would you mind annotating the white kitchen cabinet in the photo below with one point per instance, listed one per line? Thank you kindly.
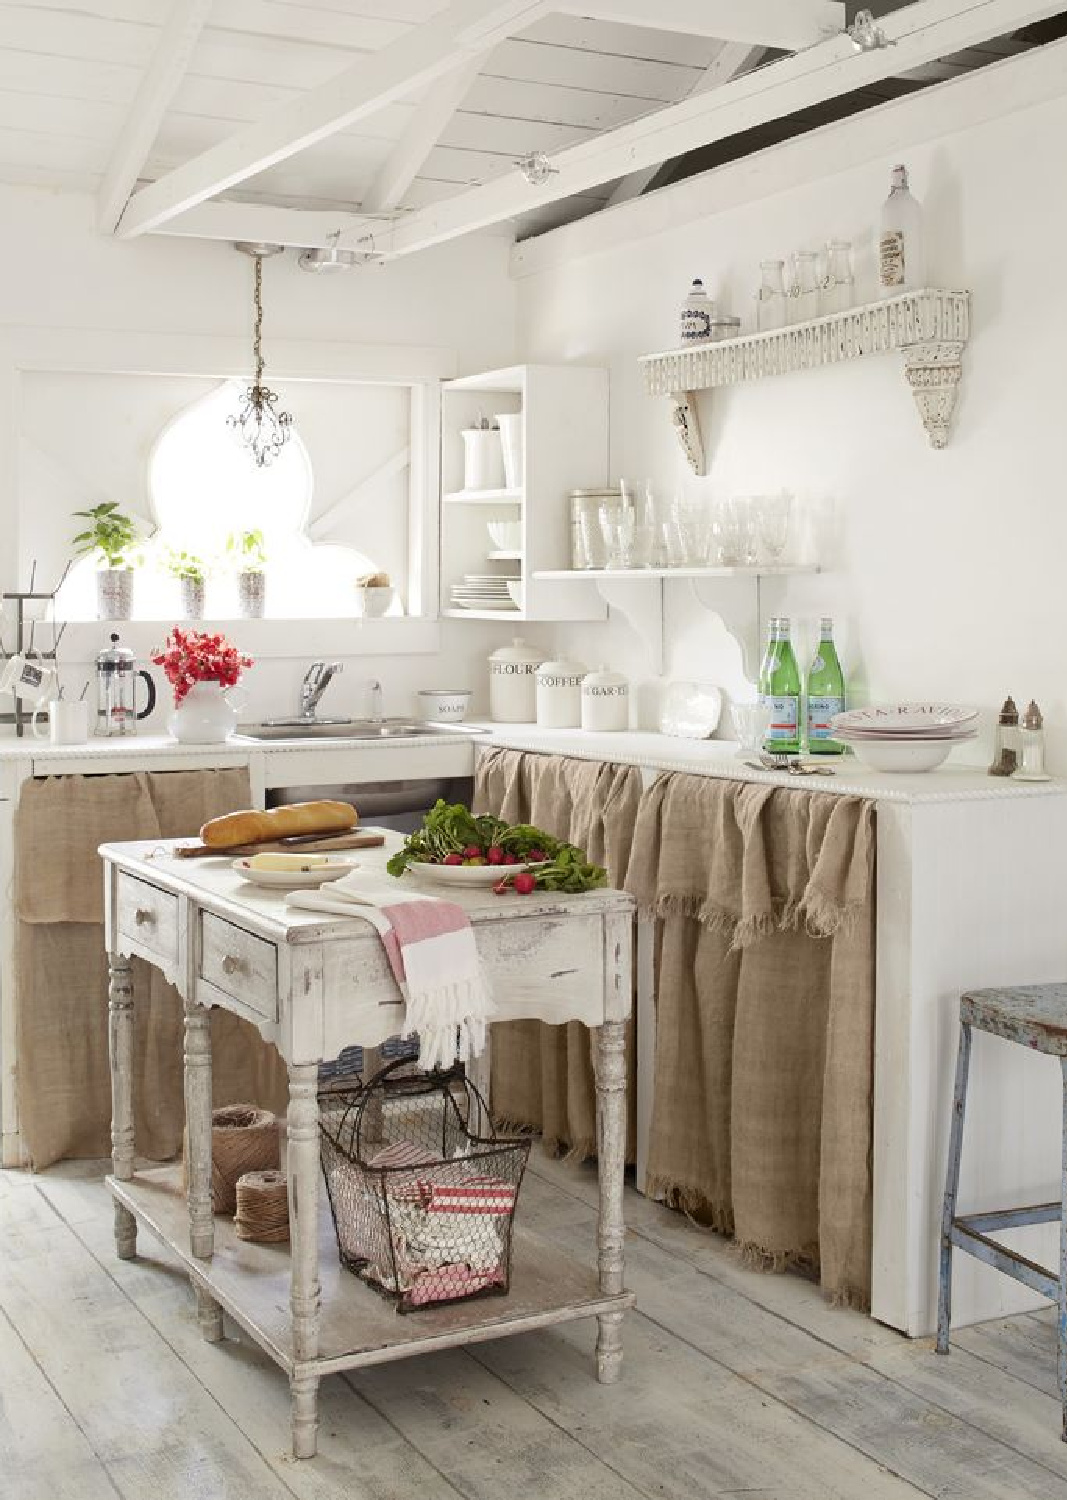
(564, 410)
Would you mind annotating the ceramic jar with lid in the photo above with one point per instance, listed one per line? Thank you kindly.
(605, 701)
(559, 694)
(512, 684)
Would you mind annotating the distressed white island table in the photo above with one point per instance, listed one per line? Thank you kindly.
(314, 984)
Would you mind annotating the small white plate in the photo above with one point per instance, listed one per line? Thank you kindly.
(476, 875)
(295, 880)
(690, 710)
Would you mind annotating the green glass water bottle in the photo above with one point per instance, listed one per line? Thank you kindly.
(826, 694)
(779, 685)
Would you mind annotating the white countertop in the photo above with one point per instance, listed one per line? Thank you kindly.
(647, 750)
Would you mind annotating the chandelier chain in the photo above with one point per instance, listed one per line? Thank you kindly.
(257, 302)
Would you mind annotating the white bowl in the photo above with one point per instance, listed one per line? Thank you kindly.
(506, 536)
(374, 602)
(894, 756)
(443, 705)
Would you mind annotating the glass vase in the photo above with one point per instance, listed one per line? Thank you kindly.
(770, 300)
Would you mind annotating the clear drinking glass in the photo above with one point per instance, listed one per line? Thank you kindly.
(725, 549)
(751, 722)
(638, 499)
(803, 287)
(773, 514)
(609, 531)
(770, 299)
(837, 287)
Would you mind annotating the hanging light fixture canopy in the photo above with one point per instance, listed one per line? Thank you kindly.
(258, 424)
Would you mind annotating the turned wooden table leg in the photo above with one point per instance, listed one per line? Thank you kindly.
(198, 1128)
(305, 1291)
(120, 1044)
(611, 1166)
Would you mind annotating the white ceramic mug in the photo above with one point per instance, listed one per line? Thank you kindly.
(27, 677)
(68, 723)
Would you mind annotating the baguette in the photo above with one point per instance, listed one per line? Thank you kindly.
(254, 827)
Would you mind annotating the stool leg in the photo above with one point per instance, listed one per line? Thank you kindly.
(952, 1183)
(1062, 1318)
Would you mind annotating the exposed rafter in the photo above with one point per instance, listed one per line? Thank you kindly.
(401, 166)
(791, 24)
(141, 126)
(917, 33)
(465, 30)
(731, 59)
(301, 228)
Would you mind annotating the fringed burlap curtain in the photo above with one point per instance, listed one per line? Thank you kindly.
(64, 1091)
(764, 1022)
(543, 1075)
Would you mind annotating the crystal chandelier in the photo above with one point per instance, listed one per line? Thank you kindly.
(262, 429)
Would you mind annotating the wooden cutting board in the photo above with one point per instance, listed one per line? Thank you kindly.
(308, 843)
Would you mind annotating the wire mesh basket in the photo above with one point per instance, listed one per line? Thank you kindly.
(422, 1189)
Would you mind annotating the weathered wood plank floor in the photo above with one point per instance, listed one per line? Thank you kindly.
(735, 1384)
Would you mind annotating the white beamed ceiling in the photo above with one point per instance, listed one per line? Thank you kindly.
(68, 77)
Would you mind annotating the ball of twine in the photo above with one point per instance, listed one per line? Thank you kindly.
(243, 1139)
(262, 1207)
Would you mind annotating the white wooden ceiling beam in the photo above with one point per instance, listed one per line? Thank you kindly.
(300, 228)
(465, 29)
(919, 32)
(791, 24)
(401, 166)
(141, 126)
(731, 59)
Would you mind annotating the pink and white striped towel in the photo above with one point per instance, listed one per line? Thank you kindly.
(434, 958)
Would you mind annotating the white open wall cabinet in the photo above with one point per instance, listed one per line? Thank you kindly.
(565, 446)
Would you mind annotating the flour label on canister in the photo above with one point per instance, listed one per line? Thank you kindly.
(512, 668)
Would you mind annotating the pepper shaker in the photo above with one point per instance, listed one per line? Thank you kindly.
(1006, 740)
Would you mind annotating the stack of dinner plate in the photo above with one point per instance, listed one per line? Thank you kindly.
(485, 591)
(905, 736)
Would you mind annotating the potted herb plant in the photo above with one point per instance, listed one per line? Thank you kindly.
(191, 573)
(111, 536)
(248, 554)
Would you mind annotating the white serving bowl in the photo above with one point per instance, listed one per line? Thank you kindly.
(374, 602)
(506, 536)
(443, 705)
(895, 756)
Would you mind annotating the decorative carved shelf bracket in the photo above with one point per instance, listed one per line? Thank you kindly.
(934, 371)
(928, 327)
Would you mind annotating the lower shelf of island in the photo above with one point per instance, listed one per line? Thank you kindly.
(359, 1327)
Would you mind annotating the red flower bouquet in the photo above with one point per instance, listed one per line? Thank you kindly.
(192, 656)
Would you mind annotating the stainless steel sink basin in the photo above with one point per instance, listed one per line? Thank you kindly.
(336, 729)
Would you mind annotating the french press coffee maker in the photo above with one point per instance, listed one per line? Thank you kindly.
(116, 682)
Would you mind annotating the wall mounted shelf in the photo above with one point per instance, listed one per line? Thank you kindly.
(596, 575)
(929, 329)
(484, 497)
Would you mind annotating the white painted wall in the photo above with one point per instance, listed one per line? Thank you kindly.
(947, 576)
(57, 272)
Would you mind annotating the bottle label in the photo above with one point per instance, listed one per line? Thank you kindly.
(891, 258)
(785, 716)
(820, 711)
(696, 324)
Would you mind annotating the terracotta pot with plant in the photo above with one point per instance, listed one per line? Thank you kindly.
(191, 573)
(111, 536)
(248, 554)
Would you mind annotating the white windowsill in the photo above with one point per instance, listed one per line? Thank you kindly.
(404, 635)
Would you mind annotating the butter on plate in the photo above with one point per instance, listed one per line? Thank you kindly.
(288, 861)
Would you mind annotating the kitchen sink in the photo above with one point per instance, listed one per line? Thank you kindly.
(336, 729)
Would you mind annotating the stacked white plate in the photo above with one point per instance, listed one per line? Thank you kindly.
(905, 736)
(485, 591)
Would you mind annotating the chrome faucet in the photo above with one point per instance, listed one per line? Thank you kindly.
(317, 679)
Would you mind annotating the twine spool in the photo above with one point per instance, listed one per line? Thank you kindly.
(243, 1139)
(262, 1207)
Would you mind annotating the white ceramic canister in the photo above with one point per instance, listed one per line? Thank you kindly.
(513, 684)
(559, 694)
(605, 701)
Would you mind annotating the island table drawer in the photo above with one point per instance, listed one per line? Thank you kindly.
(240, 965)
(148, 917)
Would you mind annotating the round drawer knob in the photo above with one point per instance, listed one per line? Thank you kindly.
(231, 965)
(144, 918)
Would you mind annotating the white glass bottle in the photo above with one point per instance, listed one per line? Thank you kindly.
(901, 246)
(770, 300)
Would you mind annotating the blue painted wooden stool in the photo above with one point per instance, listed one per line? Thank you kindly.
(1036, 1016)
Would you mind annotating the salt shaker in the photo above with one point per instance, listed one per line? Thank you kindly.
(1006, 740)
(1032, 746)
